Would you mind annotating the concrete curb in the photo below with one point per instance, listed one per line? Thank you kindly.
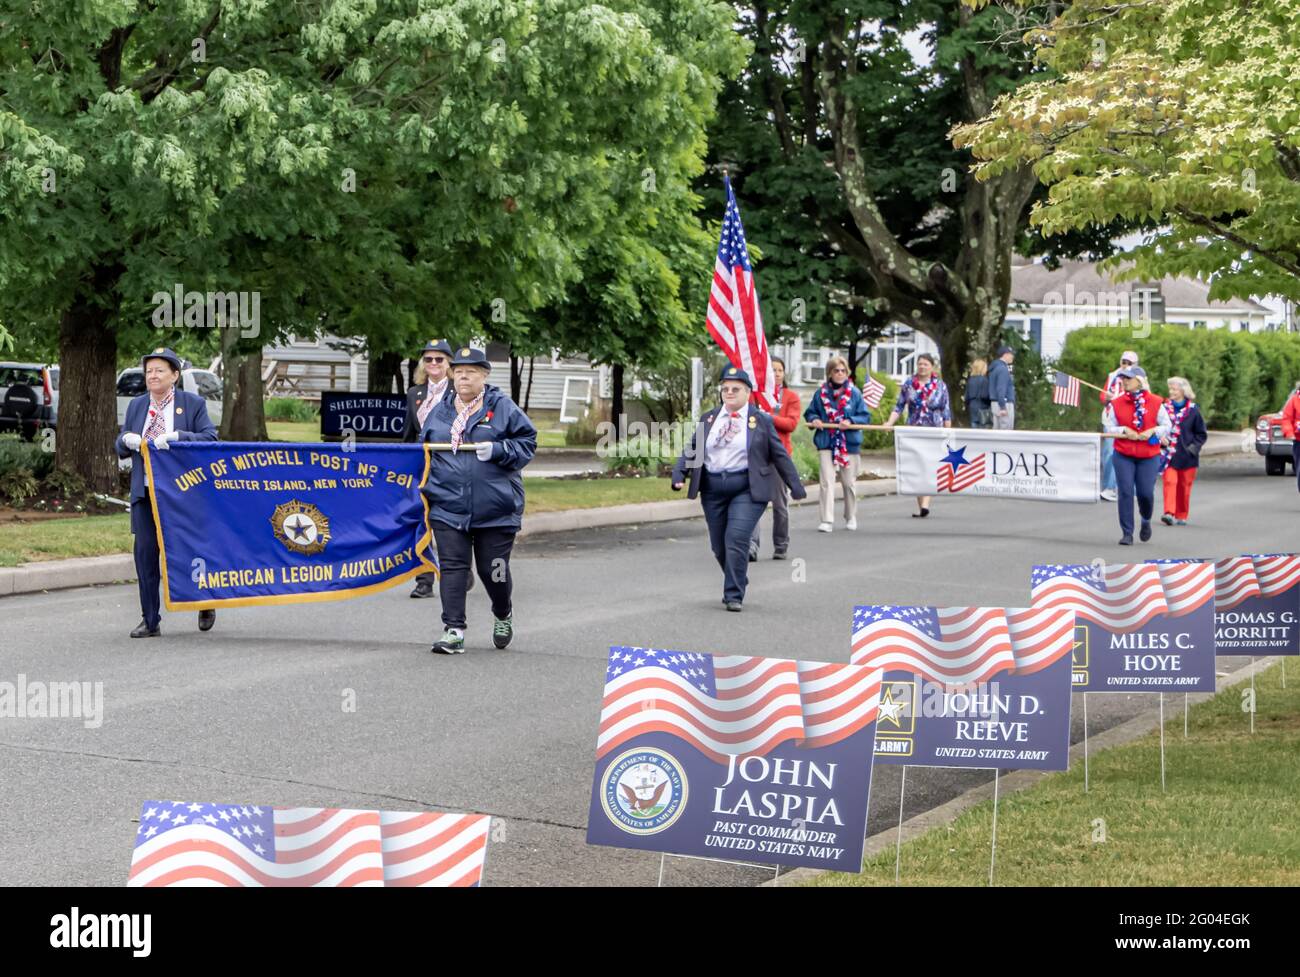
(31, 578)
(1125, 732)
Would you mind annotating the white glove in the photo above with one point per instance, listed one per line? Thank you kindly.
(484, 451)
(132, 441)
(162, 443)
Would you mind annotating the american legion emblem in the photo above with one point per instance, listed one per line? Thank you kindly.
(644, 791)
(301, 527)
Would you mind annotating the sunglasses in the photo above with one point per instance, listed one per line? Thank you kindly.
(435, 359)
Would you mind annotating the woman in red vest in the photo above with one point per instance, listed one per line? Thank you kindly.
(1141, 422)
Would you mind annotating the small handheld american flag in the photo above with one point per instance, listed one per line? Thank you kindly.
(872, 391)
(1065, 389)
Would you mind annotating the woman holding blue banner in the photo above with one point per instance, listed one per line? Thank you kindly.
(160, 417)
(482, 440)
(925, 398)
(1141, 422)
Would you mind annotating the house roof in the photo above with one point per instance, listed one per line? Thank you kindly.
(1031, 283)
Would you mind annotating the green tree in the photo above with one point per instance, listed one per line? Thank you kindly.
(1174, 111)
(361, 167)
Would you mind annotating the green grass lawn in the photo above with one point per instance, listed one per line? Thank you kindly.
(296, 431)
(553, 494)
(57, 539)
(1229, 816)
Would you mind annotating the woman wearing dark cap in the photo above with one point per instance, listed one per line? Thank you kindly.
(476, 494)
(160, 417)
(1180, 454)
(1139, 418)
(432, 381)
(737, 464)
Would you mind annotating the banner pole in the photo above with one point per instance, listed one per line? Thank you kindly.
(898, 846)
(993, 849)
(1085, 742)
(1162, 742)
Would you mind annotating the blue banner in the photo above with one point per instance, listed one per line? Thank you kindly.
(1257, 605)
(1141, 627)
(969, 686)
(749, 759)
(246, 523)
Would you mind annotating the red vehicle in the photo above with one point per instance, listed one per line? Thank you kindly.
(1272, 443)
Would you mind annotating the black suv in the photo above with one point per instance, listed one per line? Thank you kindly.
(29, 398)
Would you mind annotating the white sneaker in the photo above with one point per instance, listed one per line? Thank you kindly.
(852, 524)
(1110, 495)
(824, 527)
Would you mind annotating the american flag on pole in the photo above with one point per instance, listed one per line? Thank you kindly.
(1188, 584)
(1120, 597)
(872, 391)
(249, 845)
(954, 646)
(1065, 389)
(725, 705)
(734, 320)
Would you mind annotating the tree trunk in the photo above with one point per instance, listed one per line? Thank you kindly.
(851, 354)
(954, 358)
(385, 372)
(87, 389)
(528, 390)
(516, 377)
(616, 400)
(243, 412)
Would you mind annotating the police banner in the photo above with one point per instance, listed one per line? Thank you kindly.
(750, 759)
(969, 686)
(1257, 605)
(1140, 627)
(246, 524)
(1045, 466)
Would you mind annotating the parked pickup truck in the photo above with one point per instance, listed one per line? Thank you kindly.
(1272, 444)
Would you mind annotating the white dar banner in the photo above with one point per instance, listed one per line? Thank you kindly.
(1046, 466)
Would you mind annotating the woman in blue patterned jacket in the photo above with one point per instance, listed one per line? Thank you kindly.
(925, 398)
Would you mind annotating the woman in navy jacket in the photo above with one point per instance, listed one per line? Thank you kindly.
(161, 416)
(475, 493)
(1181, 450)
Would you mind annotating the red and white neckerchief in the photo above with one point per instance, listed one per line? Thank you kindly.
(1175, 416)
(463, 414)
(729, 432)
(921, 394)
(1139, 401)
(158, 416)
(431, 397)
(835, 412)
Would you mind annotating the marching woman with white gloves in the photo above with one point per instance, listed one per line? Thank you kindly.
(162, 416)
(475, 493)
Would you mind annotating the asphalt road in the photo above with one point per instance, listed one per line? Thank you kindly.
(254, 710)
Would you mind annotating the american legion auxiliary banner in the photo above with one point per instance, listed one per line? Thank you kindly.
(1046, 466)
(750, 759)
(1257, 605)
(1141, 627)
(969, 686)
(242, 524)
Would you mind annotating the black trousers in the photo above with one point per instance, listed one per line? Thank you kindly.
(148, 571)
(490, 550)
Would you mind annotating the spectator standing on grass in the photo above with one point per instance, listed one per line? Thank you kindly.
(785, 418)
(1002, 390)
(837, 404)
(977, 395)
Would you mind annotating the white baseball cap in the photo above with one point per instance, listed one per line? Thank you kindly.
(1129, 355)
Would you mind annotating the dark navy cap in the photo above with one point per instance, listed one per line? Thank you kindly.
(162, 353)
(737, 374)
(1132, 371)
(438, 345)
(469, 356)
(1004, 349)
